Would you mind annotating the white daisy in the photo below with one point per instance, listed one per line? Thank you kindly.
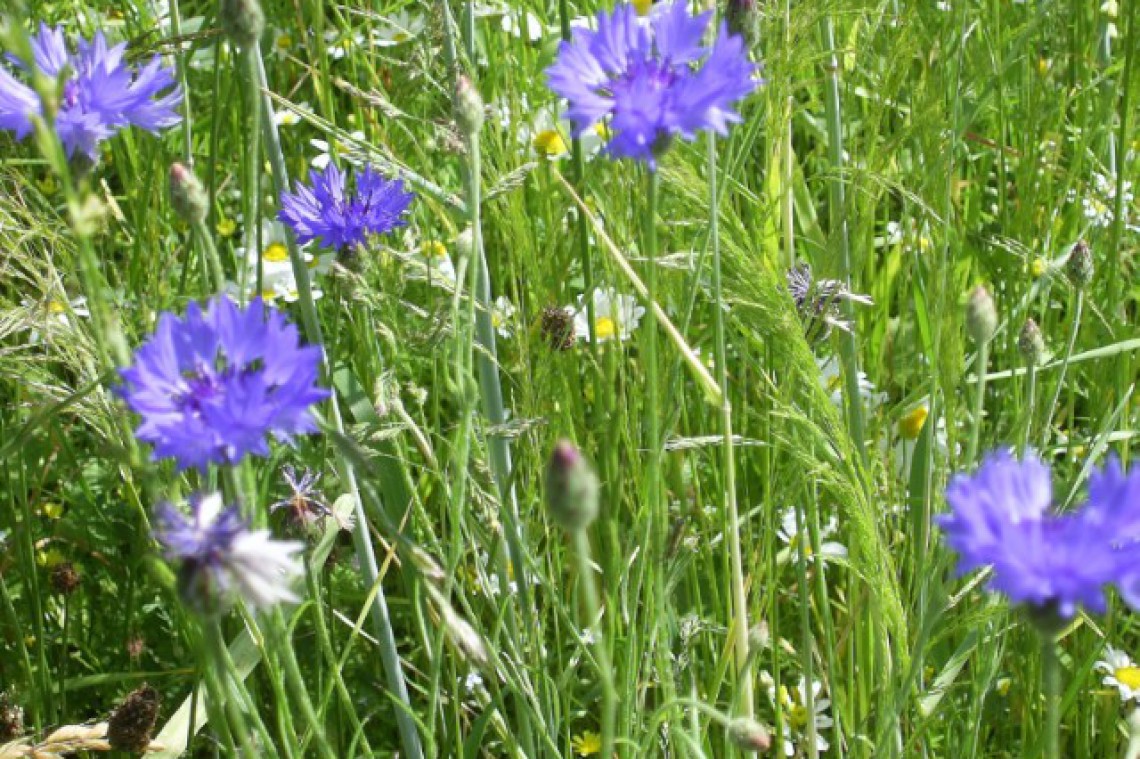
(790, 536)
(338, 47)
(548, 136)
(831, 379)
(502, 316)
(528, 27)
(289, 116)
(397, 29)
(346, 151)
(1121, 673)
(615, 316)
(797, 717)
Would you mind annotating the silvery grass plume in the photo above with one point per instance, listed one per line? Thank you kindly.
(223, 560)
(818, 301)
(101, 93)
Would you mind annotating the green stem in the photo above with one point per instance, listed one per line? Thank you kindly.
(728, 453)
(295, 681)
(1030, 402)
(1069, 347)
(979, 401)
(366, 556)
(1051, 687)
(848, 348)
(601, 647)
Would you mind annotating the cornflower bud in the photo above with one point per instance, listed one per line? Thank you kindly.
(468, 107)
(187, 194)
(749, 735)
(571, 488)
(981, 316)
(1031, 344)
(1080, 265)
(243, 21)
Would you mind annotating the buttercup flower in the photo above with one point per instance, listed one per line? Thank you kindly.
(1001, 517)
(212, 386)
(101, 95)
(641, 77)
(337, 218)
(223, 559)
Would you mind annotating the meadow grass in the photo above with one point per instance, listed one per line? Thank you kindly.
(767, 487)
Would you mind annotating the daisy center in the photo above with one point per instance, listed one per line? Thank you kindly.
(1128, 676)
(56, 307)
(549, 142)
(911, 424)
(401, 37)
(798, 717)
(275, 252)
(605, 327)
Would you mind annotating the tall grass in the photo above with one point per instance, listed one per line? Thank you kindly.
(909, 150)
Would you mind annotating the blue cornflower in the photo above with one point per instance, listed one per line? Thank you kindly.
(222, 559)
(648, 80)
(101, 93)
(341, 219)
(212, 386)
(1001, 517)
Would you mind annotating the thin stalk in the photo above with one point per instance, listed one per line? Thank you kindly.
(1051, 688)
(216, 676)
(728, 453)
(803, 542)
(1069, 347)
(366, 556)
(578, 175)
(848, 348)
(979, 402)
(202, 235)
(1030, 401)
(655, 504)
(601, 647)
(295, 681)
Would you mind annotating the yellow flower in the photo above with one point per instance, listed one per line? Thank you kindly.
(226, 227)
(275, 252)
(1038, 267)
(49, 558)
(912, 423)
(50, 509)
(587, 744)
(549, 143)
(433, 249)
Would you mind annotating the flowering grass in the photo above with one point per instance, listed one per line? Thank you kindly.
(279, 447)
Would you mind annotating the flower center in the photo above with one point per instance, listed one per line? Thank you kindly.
(798, 717)
(605, 327)
(911, 424)
(71, 94)
(56, 307)
(549, 143)
(1128, 676)
(401, 37)
(276, 253)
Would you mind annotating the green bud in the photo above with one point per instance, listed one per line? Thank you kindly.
(743, 18)
(468, 107)
(571, 488)
(243, 21)
(749, 735)
(1031, 343)
(187, 195)
(981, 316)
(1080, 265)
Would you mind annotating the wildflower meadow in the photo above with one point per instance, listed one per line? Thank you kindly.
(510, 378)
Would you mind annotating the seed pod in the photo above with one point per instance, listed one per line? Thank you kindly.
(1080, 265)
(981, 316)
(571, 488)
(130, 727)
(1031, 344)
(64, 579)
(187, 195)
(243, 21)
